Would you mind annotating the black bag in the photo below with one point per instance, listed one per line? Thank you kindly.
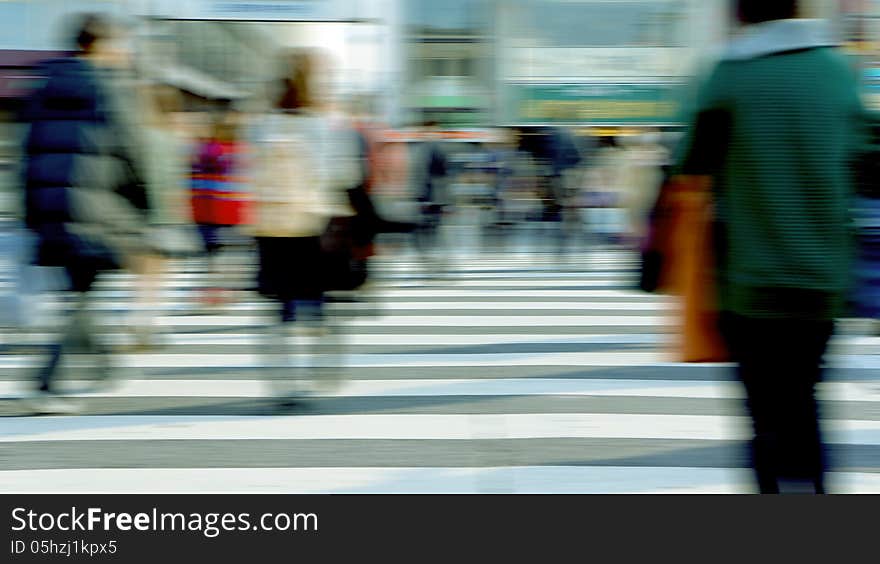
(712, 134)
(342, 271)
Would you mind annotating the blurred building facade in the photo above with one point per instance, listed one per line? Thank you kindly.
(463, 63)
(449, 71)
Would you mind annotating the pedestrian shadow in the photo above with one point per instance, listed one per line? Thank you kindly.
(311, 406)
(735, 454)
(317, 404)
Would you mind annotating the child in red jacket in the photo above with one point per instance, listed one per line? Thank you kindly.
(218, 196)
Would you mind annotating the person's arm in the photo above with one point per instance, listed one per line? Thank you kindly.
(702, 151)
(122, 108)
(126, 216)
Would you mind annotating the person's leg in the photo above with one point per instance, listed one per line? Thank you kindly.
(218, 274)
(745, 340)
(81, 277)
(149, 270)
(761, 401)
(779, 363)
(76, 335)
(559, 213)
(330, 350)
(420, 236)
(302, 333)
(273, 340)
(214, 248)
(274, 350)
(93, 343)
(206, 234)
(280, 343)
(312, 283)
(301, 288)
(427, 240)
(803, 458)
(46, 375)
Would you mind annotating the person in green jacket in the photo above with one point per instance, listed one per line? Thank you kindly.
(778, 125)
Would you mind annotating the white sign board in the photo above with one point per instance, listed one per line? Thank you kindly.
(544, 64)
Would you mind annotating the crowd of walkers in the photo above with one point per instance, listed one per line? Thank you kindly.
(750, 221)
(107, 191)
(118, 177)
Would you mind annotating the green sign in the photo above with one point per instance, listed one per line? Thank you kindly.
(593, 104)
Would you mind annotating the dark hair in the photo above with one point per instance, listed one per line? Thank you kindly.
(297, 90)
(90, 29)
(757, 11)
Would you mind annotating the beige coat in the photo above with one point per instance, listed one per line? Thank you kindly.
(303, 164)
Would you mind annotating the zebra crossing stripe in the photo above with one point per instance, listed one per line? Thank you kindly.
(494, 387)
(415, 427)
(369, 480)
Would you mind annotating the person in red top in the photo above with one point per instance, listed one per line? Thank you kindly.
(218, 197)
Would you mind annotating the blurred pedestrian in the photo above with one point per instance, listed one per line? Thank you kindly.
(605, 189)
(219, 197)
(776, 127)
(432, 194)
(166, 166)
(84, 193)
(565, 159)
(376, 166)
(642, 178)
(502, 162)
(304, 164)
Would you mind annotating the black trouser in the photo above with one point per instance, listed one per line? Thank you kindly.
(779, 361)
(77, 336)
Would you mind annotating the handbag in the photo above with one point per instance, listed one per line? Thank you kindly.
(342, 270)
(690, 267)
(692, 240)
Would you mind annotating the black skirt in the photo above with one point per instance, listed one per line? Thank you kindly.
(291, 268)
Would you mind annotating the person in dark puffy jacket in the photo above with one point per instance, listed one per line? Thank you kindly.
(84, 195)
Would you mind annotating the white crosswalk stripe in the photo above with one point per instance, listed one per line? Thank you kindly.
(503, 375)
